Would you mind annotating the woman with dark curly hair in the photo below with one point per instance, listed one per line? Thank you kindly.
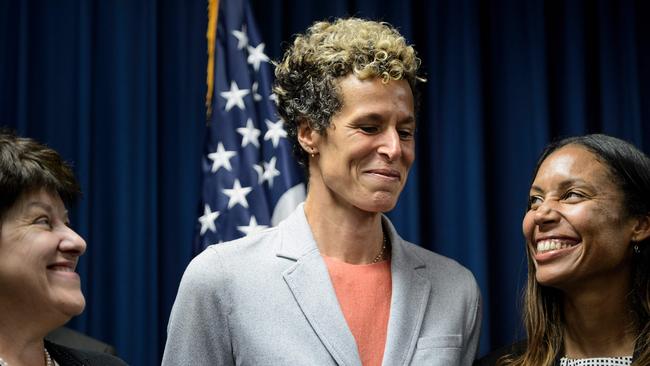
(587, 232)
(334, 284)
(39, 288)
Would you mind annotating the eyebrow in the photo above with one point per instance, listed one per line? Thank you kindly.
(46, 207)
(372, 117)
(376, 117)
(406, 121)
(39, 204)
(563, 185)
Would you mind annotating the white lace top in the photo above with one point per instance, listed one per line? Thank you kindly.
(599, 361)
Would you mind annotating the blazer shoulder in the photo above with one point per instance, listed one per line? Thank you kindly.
(246, 245)
(219, 262)
(438, 263)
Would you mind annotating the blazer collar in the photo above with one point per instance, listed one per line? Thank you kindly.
(309, 281)
(296, 238)
(410, 297)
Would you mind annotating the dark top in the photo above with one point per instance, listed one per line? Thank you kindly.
(75, 357)
(71, 338)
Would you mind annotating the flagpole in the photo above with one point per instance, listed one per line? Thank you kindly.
(211, 34)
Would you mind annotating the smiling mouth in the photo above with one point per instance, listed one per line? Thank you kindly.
(386, 173)
(60, 268)
(548, 245)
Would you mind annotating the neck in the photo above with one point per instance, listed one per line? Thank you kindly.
(599, 322)
(21, 338)
(17, 352)
(344, 232)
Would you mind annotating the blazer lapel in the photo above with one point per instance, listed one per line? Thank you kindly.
(312, 289)
(408, 304)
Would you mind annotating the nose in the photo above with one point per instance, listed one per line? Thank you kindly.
(546, 214)
(72, 243)
(391, 145)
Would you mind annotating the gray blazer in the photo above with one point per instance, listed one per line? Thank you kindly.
(267, 299)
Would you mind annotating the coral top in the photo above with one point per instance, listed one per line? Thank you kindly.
(364, 293)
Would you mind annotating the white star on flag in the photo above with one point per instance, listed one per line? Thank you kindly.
(267, 171)
(250, 134)
(252, 227)
(207, 220)
(221, 158)
(275, 131)
(274, 98)
(256, 96)
(237, 194)
(242, 37)
(235, 96)
(244, 141)
(256, 56)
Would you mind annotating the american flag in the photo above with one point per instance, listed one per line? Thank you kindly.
(250, 179)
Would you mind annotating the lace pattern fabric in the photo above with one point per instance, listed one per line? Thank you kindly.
(599, 361)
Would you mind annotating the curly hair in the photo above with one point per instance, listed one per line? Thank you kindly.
(26, 165)
(307, 78)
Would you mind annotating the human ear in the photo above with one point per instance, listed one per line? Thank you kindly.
(308, 137)
(641, 230)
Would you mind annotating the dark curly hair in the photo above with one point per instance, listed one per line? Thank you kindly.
(307, 78)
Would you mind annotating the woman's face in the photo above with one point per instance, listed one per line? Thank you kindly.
(577, 229)
(367, 151)
(38, 256)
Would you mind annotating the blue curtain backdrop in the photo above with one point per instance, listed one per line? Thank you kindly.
(117, 87)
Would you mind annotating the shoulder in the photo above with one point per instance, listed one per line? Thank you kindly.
(66, 356)
(246, 250)
(514, 349)
(433, 264)
(68, 337)
(440, 268)
(256, 243)
(219, 262)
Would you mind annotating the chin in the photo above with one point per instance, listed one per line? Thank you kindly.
(382, 202)
(79, 306)
(72, 305)
(377, 207)
(550, 280)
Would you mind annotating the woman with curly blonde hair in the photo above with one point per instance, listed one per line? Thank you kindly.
(334, 284)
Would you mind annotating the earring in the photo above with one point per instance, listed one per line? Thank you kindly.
(636, 248)
(313, 153)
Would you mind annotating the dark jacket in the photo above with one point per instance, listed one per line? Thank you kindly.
(75, 357)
